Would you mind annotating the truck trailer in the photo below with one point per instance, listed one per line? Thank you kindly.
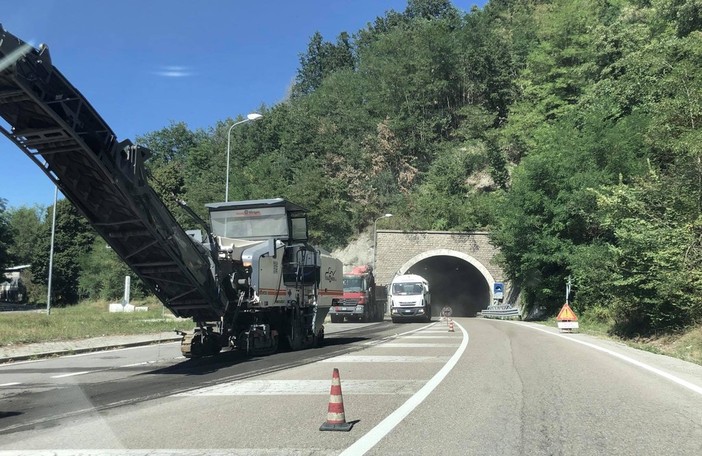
(249, 279)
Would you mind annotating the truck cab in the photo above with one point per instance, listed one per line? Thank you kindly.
(410, 298)
(359, 302)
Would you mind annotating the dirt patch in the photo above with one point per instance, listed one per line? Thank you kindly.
(358, 252)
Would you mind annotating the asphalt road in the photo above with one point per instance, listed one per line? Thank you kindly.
(495, 388)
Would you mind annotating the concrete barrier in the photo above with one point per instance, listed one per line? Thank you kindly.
(117, 307)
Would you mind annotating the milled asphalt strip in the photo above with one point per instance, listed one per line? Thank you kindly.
(684, 383)
(368, 441)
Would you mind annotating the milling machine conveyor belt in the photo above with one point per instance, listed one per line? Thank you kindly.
(61, 132)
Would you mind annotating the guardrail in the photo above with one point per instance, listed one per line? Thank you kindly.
(502, 312)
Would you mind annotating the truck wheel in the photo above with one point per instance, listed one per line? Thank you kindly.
(381, 315)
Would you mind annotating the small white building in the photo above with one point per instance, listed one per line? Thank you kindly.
(12, 289)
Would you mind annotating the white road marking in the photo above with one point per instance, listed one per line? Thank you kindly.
(370, 439)
(143, 363)
(71, 374)
(10, 384)
(415, 345)
(308, 387)
(684, 383)
(447, 336)
(385, 359)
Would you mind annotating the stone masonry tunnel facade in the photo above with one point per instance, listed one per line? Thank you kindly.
(461, 267)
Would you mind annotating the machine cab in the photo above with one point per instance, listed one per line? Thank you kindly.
(253, 229)
(259, 220)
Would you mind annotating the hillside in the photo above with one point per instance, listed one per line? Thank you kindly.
(568, 128)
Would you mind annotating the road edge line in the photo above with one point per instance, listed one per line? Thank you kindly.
(375, 435)
(654, 370)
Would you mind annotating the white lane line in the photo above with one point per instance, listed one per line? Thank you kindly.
(415, 345)
(370, 439)
(447, 336)
(10, 384)
(71, 374)
(306, 387)
(684, 383)
(385, 359)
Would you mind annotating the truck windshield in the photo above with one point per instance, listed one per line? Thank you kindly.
(249, 224)
(413, 288)
(352, 283)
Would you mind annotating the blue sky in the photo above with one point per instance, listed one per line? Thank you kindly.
(143, 64)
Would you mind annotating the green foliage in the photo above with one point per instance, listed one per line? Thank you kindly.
(25, 224)
(73, 239)
(321, 60)
(102, 275)
(6, 239)
(569, 128)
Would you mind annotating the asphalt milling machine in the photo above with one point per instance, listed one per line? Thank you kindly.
(249, 279)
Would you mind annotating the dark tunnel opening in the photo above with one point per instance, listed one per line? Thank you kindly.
(455, 283)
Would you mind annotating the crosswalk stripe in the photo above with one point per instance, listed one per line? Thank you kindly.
(416, 345)
(385, 359)
(306, 387)
(447, 336)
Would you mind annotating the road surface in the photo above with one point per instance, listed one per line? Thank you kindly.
(490, 387)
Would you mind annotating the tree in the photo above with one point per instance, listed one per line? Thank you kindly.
(321, 60)
(6, 237)
(102, 274)
(430, 9)
(26, 225)
(73, 239)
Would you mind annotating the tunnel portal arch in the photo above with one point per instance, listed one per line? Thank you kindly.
(457, 280)
(441, 252)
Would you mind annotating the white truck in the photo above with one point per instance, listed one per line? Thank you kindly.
(410, 298)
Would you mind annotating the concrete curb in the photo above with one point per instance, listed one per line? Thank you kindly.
(79, 350)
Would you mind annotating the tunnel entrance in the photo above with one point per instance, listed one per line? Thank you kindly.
(453, 282)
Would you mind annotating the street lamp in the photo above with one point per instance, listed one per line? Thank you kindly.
(51, 253)
(375, 238)
(249, 118)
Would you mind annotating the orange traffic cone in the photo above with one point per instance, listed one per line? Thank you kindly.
(336, 418)
(451, 326)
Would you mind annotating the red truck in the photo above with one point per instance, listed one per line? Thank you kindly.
(360, 302)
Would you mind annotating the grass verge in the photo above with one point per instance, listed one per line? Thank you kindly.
(85, 320)
(685, 344)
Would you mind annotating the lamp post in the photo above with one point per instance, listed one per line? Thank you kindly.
(51, 253)
(375, 238)
(249, 118)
